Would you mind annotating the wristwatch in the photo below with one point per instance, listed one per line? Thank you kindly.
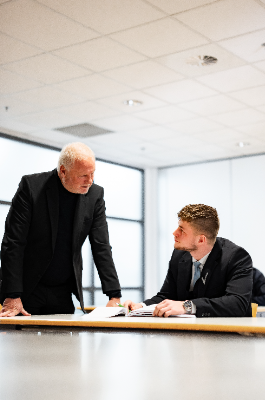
(187, 305)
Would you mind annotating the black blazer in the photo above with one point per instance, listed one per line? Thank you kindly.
(258, 292)
(31, 230)
(225, 286)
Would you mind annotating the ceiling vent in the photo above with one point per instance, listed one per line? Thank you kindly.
(84, 130)
(201, 61)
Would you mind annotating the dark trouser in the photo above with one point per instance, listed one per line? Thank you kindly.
(45, 300)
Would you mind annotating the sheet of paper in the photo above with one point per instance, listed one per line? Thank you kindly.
(103, 312)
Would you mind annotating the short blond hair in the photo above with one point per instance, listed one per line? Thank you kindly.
(72, 152)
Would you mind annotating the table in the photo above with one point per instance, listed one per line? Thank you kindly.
(243, 325)
(69, 362)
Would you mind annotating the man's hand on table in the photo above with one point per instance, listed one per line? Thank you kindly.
(113, 302)
(169, 307)
(13, 307)
(130, 305)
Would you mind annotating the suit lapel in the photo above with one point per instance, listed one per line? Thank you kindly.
(78, 219)
(184, 276)
(208, 269)
(52, 194)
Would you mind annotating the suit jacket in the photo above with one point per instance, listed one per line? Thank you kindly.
(258, 292)
(31, 230)
(224, 288)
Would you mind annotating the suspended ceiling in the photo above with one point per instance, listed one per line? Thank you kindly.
(72, 62)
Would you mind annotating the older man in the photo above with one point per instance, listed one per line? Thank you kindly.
(51, 215)
(207, 276)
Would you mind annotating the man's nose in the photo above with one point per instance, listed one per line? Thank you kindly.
(175, 233)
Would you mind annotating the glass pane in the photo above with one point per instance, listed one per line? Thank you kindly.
(135, 295)
(87, 262)
(126, 242)
(21, 159)
(122, 190)
(87, 298)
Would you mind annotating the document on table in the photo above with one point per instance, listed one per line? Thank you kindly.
(108, 312)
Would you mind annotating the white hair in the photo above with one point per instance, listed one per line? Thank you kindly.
(74, 152)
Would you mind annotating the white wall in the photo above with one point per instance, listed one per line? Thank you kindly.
(236, 188)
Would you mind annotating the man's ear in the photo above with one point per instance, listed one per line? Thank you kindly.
(202, 239)
(62, 170)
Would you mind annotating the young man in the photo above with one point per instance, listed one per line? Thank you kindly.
(207, 276)
(51, 215)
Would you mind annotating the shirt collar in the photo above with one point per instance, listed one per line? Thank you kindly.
(202, 260)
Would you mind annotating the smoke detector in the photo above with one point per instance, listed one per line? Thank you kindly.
(201, 61)
(132, 103)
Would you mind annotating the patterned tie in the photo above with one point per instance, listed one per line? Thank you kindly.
(197, 272)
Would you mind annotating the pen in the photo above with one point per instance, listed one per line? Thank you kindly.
(120, 305)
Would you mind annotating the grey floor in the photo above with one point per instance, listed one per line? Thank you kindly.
(44, 364)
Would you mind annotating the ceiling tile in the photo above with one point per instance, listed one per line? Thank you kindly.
(121, 123)
(260, 65)
(106, 16)
(13, 83)
(152, 133)
(159, 38)
(93, 87)
(178, 92)
(13, 50)
(48, 97)
(234, 79)
(47, 68)
(252, 97)
(261, 108)
(240, 117)
(100, 54)
(117, 102)
(224, 19)
(180, 141)
(195, 125)
(143, 74)
(16, 107)
(249, 47)
(173, 6)
(257, 130)
(224, 135)
(16, 126)
(87, 111)
(47, 119)
(212, 151)
(179, 61)
(212, 105)
(37, 25)
(165, 115)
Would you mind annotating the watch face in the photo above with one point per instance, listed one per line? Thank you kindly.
(187, 306)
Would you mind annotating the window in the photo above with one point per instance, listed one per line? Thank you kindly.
(123, 193)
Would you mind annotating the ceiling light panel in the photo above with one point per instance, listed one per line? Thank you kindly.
(234, 79)
(178, 92)
(13, 50)
(173, 6)
(159, 38)
(224, 19)
(249, 47)
(47, 69)
(144, 74)
(178, 61)
(106, 16)
(212, 105)
(44, 29)
(100, 54)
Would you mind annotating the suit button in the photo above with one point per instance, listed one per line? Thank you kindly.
(202, 315)
(209, 315)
